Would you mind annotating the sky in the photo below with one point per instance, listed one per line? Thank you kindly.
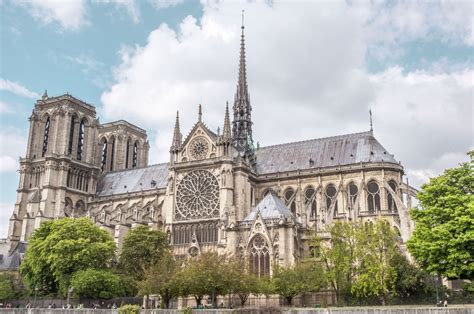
(314, 68)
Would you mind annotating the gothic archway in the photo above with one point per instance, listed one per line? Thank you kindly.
(259, 256)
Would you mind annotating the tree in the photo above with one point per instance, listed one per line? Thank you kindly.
(206, 274)
(241, 281)
(409, 278)
(62, 247)
(141, 248)
(98, 284)
(162, 278)
(265, 286)
(376, 275)
(292, 281)
(337, 256)
(443, 239)
(7, 288)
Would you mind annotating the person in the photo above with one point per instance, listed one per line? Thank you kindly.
(445, 303)
(114, 306)
(53, 306)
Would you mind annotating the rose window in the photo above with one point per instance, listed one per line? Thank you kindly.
(199, 148)
(197, 196)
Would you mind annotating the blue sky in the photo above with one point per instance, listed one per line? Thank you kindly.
(314, 70)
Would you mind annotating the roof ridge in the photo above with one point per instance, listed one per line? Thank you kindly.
(137, 168)
(320, 138)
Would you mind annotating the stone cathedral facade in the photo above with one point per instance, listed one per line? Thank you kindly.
(218, 192)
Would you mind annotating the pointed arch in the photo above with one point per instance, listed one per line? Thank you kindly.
(310, 201)
(71, 134)
(47, 125)
(103, 161)
(373, 197)
(331, 197)
(391, 204)
(290, 196)
(80, 139)
(352, 191)
(135, 154)
(259, 256)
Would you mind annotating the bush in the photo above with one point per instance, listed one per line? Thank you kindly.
(129, 309)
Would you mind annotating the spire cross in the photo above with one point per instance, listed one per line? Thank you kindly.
(243, 20)
(200, 113)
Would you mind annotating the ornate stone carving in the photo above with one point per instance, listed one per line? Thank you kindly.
(197, 196)
(199, 148)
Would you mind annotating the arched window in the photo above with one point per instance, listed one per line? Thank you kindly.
(104, 155)
(259, 256)
(352, 191)
(127, 154)
(310, 202)
(392, 206)
(331, 199)
(80, 140)
(135, 155)
(71, 135)
(46, 136)
(290, 199)
(112, 153)
(373, 197)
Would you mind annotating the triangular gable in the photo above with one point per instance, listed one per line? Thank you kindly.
(199, 126)
(259, 227)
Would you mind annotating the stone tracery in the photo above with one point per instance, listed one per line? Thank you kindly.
(197, 196)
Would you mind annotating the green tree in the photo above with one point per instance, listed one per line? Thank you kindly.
(410, 280)
(7, 287)
(443, 239)
(241, 281)
(376, 275)
(206, 274)
(142, 247)
(266, 287)
(162, 278)
(292, 281)
(59, 248)
(337, 256)
(98, 284)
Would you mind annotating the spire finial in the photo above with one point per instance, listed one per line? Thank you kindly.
(200, 113)
(176, 135)
(371, 124)
(226, 132)
(243, 21)
(45, 94)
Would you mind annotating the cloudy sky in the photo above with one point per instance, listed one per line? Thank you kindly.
(314, 70)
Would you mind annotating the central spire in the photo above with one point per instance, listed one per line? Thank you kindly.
(242, 123)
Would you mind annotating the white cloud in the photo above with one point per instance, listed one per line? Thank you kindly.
(17, 89)
(12, 146)
(163, 4)
(307, 78)
(70, 14)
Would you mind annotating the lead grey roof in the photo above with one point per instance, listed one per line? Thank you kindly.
(133, 180)
(270, 207)
(10, 257)
(324, 152)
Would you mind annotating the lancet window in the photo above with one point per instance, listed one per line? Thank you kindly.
(112, 153)
(259, 256)
(104, 155)
(373, 197)
(310, 202)
(352, 191)
(46, 136)
(80, 140)
(205, 232)
(127, 155)
(71, 135)
(135, 155)
(290, 199)
(392, 206)
(331, 199)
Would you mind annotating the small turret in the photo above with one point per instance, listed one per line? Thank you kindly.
(176, 143)
(227, 134)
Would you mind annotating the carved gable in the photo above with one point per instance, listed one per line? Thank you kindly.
(200, 144)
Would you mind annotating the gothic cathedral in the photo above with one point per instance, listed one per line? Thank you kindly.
(218, 192)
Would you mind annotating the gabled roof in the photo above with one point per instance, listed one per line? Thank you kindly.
(198, 124)
(270, 207)
(323, 152)
(133, 180)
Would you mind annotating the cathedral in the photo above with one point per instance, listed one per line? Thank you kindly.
(218, 192)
